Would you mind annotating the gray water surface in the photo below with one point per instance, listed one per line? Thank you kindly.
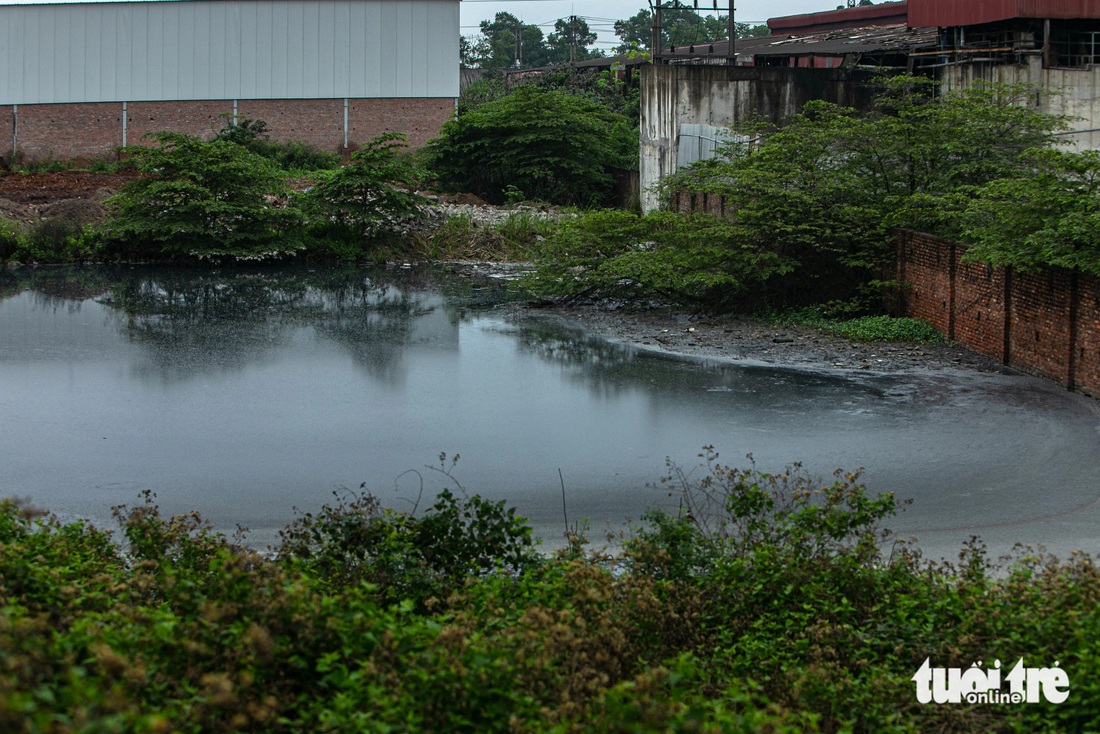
(244, 394)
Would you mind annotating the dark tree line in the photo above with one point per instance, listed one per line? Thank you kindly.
(506, 42)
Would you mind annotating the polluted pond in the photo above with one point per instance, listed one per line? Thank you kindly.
(246, 393)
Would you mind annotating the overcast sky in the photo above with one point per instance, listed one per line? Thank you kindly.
(602, 14)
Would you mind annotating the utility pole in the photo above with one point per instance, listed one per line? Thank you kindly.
(656, 37)
(572, 39)
(732, 33)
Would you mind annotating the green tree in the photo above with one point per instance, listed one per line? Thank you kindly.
(204, 199)
(744, 30)
(571, 41)
(808, 205)
(545, 144)
(1050, 216)
(506, 42)
(681, 25)
(371, 195)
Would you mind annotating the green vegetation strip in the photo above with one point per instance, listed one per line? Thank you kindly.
(772, 602)
(863, 328)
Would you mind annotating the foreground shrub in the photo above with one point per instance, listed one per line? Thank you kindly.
(406, 556)
(764, 605)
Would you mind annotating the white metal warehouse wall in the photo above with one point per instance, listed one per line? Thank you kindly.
(228, 49)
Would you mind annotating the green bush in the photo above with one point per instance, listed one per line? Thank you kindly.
(57, 240)
(290, 156)
(693, 260)
(765, 604)
(206, 200)
(10, 236)
(409, 557)
(548, 144)
(370, 197)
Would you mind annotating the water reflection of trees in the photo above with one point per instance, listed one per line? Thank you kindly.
(679, 384)
(56, 288)
(194, 321)
(607, 369)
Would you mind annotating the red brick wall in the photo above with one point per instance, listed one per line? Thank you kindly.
(64, 131)
(979, 311)
(420, 119)
(1087, 357)
(1040, 330)
(6, 121)
(201, 118)
(925, 269)
(1053, 316)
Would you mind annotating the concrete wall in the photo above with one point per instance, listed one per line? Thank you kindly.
(722, 96)
(95, 130)
(1046, 323)
(1071, 92)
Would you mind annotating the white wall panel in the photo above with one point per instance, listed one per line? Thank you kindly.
(228, 49)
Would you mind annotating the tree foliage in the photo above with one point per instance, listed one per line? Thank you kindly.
(545, 144)
(681, 25)
(288, 155)
(205, 199)
(571, 40)
(820, 192)
(371, 195)
(688, 259)
(1049, 217)
(506, 42)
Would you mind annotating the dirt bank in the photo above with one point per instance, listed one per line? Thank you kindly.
(748, 340)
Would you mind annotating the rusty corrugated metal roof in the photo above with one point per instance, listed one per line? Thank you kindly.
(870, 39)
(888, 13)
(947, 13)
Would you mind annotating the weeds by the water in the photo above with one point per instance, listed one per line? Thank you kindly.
(863, 328)
(515, 238)
(764, 605)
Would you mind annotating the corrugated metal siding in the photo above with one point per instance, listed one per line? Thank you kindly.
(946, 13)
(698, 142)
(889, 13)
(228, 49)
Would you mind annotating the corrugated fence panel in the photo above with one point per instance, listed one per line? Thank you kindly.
(228, 49)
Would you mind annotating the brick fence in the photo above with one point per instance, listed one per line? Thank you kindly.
(60, 132)
(1046, 323)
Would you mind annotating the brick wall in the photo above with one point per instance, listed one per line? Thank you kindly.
(979, 306)
(1086, 361)
(420, 119)
(65, 131)
(1046, 323)
(202, 118)
(7, 120)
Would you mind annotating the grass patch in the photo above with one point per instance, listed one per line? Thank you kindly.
(863, 328)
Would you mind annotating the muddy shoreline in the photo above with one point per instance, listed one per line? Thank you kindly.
(751, 341)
